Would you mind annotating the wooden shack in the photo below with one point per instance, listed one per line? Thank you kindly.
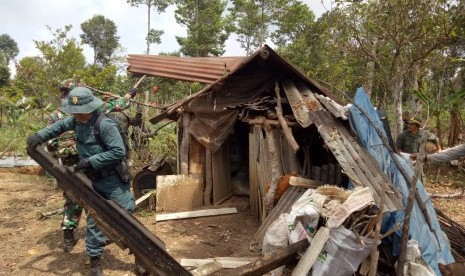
(259, 123)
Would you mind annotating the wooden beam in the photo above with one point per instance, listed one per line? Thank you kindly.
(270, 261)
(261, 121)
(195, 214)
(286, 129)
(304, 182)
(144, 197)
(207, 269)
(309, 258)
(226, 262)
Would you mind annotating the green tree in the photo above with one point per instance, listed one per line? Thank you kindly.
(60, 58)
(100, 33)
(207, 30)
(393, 37)
(253, 19)
(153, 36)
(292, 19)
(9, 47)
(247, 16)
(31, 80)
(4, 70)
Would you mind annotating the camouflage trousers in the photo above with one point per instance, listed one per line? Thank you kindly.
(71, 215)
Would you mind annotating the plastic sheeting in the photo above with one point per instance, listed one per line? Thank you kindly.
(434, 250)
(214, 112)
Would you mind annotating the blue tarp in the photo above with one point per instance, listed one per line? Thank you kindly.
(432, 251)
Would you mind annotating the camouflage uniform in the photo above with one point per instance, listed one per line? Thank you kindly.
(64, 148)
(410, 143)
(100, 157)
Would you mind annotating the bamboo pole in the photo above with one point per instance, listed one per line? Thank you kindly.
(409, 208)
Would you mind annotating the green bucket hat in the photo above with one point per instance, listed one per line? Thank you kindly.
(81, 100)
(415, 120)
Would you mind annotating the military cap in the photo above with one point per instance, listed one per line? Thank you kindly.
(81, 100)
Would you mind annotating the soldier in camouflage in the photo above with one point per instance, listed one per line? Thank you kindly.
(64, 149)
(409, 141)
(99, 156)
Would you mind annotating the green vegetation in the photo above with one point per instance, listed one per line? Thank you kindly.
(409, 55)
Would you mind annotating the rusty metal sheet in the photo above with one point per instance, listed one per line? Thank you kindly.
(203, 70)
(356, 162)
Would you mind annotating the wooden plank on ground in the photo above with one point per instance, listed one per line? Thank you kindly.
(309, 258)
(195, 214)
(226, 262)
(207, 269)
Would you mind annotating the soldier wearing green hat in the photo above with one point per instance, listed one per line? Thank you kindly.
(409, 141)
(64, 149)
(97, 157)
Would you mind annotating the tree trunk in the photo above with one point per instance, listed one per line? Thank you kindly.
(148, 28)
(371, 69)
(415, 103)
(438, 127)
(456, 127)
(397, 86)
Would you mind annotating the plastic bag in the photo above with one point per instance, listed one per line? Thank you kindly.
(342, 253)
(276, 235)
(276, 238)
(303, 218)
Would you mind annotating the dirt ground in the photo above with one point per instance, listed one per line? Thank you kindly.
(29, 246)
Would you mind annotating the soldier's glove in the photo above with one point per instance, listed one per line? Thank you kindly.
(132, 92)
(83, 165)
(34, 140)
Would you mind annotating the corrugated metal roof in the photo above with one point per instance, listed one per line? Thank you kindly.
(203, 70)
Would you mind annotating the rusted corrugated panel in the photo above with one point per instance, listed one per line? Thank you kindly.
(204, 70)
(356, 162)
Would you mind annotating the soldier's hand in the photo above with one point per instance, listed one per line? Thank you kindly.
(34, 140)
(82, 165)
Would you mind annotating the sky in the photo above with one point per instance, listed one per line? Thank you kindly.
(26, 21)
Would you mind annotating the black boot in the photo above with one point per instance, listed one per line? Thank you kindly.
(69, 241)
(95, 266)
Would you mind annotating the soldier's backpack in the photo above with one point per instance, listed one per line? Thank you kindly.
(122, 168)
(118, 125)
